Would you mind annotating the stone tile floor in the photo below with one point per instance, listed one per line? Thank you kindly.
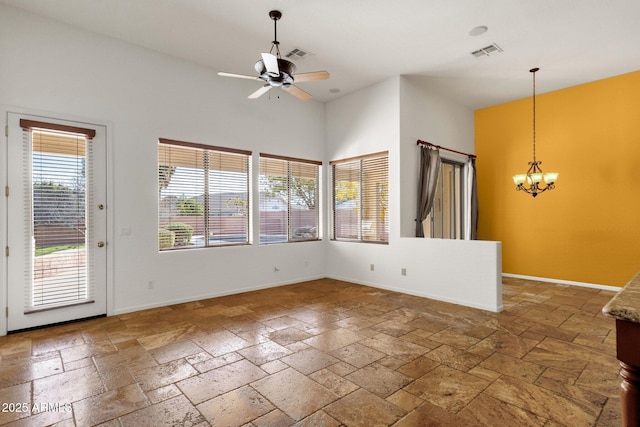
(324, 353)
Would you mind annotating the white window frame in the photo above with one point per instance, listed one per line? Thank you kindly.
(453, 226)
(206, 157)
(372, 222)
(289, 168)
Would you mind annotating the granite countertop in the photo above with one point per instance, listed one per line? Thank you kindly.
(625, 305)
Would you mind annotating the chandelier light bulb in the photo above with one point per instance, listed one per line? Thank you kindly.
(550, 177)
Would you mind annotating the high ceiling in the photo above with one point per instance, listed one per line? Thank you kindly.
(362, 42)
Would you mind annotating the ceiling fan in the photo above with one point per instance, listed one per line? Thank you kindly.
(278, 72)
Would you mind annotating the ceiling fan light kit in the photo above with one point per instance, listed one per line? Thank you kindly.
(281, 70)
(277, 72)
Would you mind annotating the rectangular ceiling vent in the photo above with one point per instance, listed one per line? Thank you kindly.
(296, 54)
(487, 50)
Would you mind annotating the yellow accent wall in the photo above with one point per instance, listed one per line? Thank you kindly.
(588, 228)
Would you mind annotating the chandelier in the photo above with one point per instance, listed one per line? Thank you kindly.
(535, 181)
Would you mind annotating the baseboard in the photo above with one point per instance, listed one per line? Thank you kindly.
(365, 283)
(564, 282)
(213, 295)
(420, 294)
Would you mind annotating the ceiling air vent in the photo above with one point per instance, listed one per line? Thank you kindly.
(487, 50)
(296, 54)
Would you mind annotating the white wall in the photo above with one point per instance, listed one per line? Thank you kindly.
(52, 69)
(56, 70)
(427, 116)
(393, 115)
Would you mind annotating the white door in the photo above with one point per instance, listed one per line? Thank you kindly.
(56, 216)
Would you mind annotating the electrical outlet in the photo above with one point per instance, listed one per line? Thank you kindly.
(403, 272)
(372, 268)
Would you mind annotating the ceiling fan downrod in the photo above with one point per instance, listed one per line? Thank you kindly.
(275, 15)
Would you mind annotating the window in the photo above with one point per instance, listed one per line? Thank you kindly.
(59, 215)
(288, 199)
(447, 213)
(203, 195)
(361, 198)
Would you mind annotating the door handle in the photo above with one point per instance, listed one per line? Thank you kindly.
(100, 244)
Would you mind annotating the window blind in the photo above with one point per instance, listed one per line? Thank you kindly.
(59, 209)
(288, 199)
(204, 195)
(361, 198)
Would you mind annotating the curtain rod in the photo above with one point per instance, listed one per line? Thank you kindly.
(428, 144)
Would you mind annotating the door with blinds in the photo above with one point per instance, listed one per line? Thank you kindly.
(56, 221)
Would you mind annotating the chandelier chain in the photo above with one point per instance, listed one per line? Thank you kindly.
(534, 115)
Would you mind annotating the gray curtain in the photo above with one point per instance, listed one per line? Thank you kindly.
(474, 200)
(430, 164)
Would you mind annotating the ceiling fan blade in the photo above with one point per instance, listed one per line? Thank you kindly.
(237, 76)
(308, 77)
(297, 92)
(257, 94)
(271, 64)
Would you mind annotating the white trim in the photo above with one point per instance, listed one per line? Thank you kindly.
(5, 109)
(471, 304)
(111, 238)
(214, 295)
(564, 282)
(4, 176)
(468, 185)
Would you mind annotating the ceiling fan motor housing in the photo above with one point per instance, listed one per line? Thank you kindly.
(285, 78)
